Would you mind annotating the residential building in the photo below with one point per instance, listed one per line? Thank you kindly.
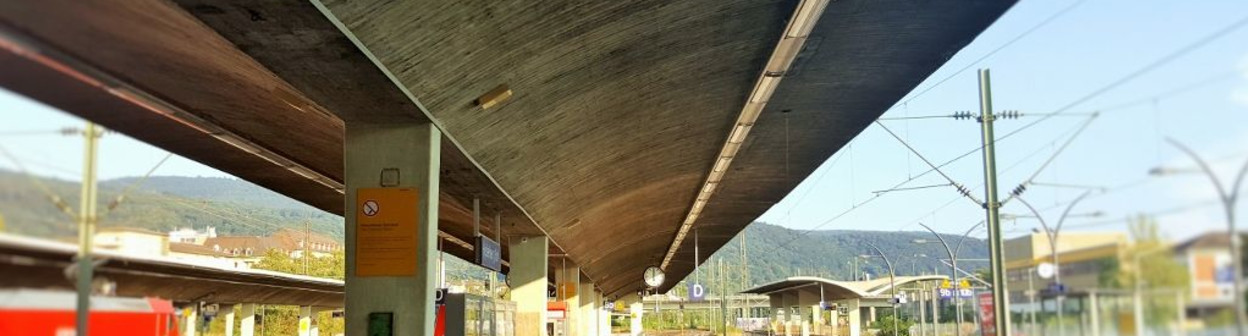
(132, 241)
(206, 255)
(192, 236)
(289, 241)
(1209, 266)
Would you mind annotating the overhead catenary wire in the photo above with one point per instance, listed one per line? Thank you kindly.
(135, 185)
(62, 131)
(1023, 186)
(897, 186)
(1123, 80)
(819, 178)
(247, 221)
(967, 115)
(1161, 213)
(960, 188)
(1220, 77)
(1058, 112)
(52, 196)
(1007, 169)
(1179, 53)
(994, 51)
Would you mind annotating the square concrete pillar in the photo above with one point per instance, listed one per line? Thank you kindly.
(808, 309)
(587, 311)
(390, 275)
(568, 287)
(636, 311)
(229, 319)
(247, 326)
(190, 320)
(305, 321)
(604, 316)
(528, 277)
(855, 316)
(835, 321)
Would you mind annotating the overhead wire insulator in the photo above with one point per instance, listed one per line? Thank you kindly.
(963, 190)
(963, 115)
(1019, 189)
(1009, 114)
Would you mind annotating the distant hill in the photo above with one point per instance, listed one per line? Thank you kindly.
(830, 254)
(219, 189)
(239, 207)
(161, 204)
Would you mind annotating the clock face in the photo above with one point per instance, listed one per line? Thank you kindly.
(654, 276)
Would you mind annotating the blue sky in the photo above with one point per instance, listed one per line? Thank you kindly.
(1092, 45)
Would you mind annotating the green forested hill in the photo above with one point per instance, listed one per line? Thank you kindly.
(161, 204)
(238, 207)
(828, 253)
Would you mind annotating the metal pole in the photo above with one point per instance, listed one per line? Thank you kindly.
(1181, 323)
(953, 263)
(1031, 300)
(953, 269)
(892, 284)
(1000, 299)
(1054, 234)
(498, 237)
(1094, 302)
(1228, 198)
(935, 313)
(1137, 297)
(856, 276)
(86, 228)
(307, 241)
(922, 310)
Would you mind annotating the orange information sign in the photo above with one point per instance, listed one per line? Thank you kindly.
(385, 231)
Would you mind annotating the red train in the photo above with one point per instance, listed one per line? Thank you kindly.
(45, 312)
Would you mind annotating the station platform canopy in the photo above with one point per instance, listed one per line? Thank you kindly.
(838, 290)
(611, 143)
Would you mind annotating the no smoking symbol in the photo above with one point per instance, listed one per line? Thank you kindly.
(370, 208)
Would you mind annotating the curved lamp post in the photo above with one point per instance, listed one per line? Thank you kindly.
(892, 283)
(1228, 196)
(953, 267)
(1052, 233)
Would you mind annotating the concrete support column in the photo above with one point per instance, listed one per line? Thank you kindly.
(189, 319)
(871, 315)
(636, 310)
(835, 322)
(808, 309)
(1095, 310)
(528, 275)
(604, 316)
(936, 313)
(793, 320)
(586, 312)
(922, 299)
(568, 286)
(379, 281)
(229, 319)
(305, 321)
(855, 317)
(247, 326)
(777, 305)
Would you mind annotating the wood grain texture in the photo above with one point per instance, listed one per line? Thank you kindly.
(618, 110)
(620, 106)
